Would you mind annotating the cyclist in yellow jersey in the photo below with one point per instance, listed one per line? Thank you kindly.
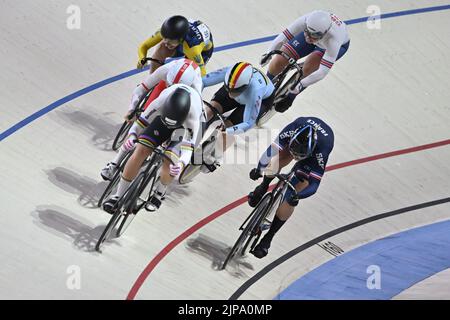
(179, 37)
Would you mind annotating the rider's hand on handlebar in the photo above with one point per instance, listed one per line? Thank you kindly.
(129, 117)
(265, 59)
(255, 174)
(141, 63)
(293, 200)
(174, 170)
(130, 142)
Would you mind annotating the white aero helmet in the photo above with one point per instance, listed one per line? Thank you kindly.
(238, 77)
(183, 71)
(318, 23)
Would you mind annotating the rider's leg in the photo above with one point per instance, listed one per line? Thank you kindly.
(282, 214)
(223, 103)
(276, 164)
(147, 142)
(132, 167)
(130, 172)
(312, 63)
(297, 48)
(172, 153)
(165, 177)
(210, 113)
(110, 169)
(277, 65)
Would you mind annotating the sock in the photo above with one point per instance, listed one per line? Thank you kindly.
(122, 187)
(161, 189)
(119, 156)
(276, 225)
(270, 76)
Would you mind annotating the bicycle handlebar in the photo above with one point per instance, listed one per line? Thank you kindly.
(285, 178)
(292, 62)
(217, 115)
(153, 60)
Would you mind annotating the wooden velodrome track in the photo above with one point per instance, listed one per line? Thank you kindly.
(386, 100)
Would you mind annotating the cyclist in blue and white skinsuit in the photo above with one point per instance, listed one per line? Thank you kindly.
(321, 37)
(307, 140)
(246, 90)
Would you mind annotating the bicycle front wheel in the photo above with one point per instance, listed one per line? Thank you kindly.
(189, 173)
(108, 229)
(121, 135)
(250, 230)
(133, 207)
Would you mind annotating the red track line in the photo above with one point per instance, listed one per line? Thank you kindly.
(156, 260)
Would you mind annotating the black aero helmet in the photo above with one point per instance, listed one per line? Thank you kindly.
(303, 142)
(175, 28)
(176, 108)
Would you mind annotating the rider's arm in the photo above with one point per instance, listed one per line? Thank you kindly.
(289, 33)
(273, 150)
(195, 54)
(326, 64)
(280, 143)
(149, 43)
(251, 112)
(310, 185)
(150, 81)
(214, 77)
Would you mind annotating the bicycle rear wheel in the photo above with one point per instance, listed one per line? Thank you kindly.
(189, 173)
(249, 230)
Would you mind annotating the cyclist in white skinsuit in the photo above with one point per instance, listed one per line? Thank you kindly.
(181, 71)
(178, 108)
(321, 37)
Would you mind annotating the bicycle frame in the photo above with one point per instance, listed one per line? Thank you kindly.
(252, 226)
(281, 86)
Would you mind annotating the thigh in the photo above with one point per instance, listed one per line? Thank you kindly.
(155, 134)
(266, 104)
(342, 50)
(298, 48)
(237, 116)
(227, 103)
(173, 152)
